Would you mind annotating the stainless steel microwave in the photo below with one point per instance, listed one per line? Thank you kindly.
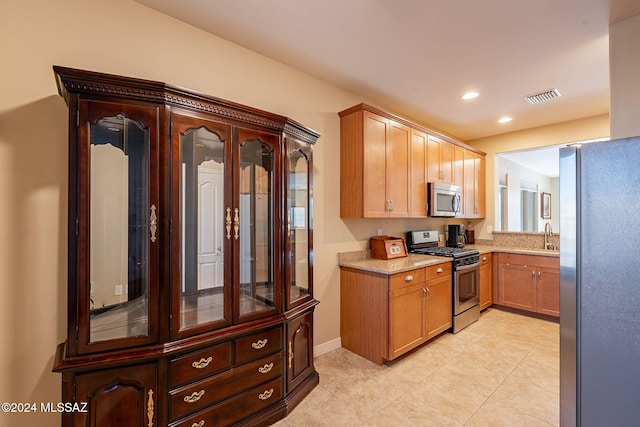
(444, 199)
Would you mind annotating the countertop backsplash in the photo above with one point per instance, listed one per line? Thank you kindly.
(524, 240)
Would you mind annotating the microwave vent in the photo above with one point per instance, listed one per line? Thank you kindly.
(544, 96)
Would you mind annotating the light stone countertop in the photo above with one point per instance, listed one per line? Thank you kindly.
(360, 260)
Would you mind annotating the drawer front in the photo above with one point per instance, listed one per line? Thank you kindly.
(485, 259)
(258, 345)
(187, 400)
(236, 408)
(439, 270)
(530, 260)
(400, 280)
(199, 364)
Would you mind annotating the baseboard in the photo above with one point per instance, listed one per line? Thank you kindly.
(326, 347)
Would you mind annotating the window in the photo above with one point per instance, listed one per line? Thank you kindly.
(528, 206)
(502, 202)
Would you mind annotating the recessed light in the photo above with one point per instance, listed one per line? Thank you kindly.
(470, 95)
(504, 119)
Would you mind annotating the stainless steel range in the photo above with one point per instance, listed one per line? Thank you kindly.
(466, 270)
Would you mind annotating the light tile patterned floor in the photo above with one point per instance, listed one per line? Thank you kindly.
(501, 371)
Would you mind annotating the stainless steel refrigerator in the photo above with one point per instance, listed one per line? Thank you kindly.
(600, 284)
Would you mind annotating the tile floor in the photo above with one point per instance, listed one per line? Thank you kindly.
(501, 371)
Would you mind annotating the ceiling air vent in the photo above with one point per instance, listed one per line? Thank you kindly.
(547, 95)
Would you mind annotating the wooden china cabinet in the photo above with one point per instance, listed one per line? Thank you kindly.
(190, 295)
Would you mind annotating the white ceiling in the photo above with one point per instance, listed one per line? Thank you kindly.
(416, 58)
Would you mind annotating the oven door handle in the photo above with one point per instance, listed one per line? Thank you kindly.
(468, 267)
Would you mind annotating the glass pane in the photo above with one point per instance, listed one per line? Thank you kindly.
(202, 227)
(119, 229)
(298, 226)
(256, 227)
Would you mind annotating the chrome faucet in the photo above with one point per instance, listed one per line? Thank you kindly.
(547, 233)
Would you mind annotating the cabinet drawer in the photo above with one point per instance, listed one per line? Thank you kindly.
(199, 364)
(258, 345)
(400, 280)
(439, 270)
(485, 259)
(530, 260)
(194, 397)
(236, 408)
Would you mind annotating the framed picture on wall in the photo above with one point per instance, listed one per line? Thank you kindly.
(545, 206)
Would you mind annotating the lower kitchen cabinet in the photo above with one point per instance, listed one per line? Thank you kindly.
(384, 316)
(486, 281)
(530, 283)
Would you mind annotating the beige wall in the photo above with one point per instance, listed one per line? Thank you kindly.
(560, 133)
(624, 63)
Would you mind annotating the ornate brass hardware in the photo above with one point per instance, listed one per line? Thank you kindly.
(266, 368)
(153, 223)
(202, 363)
(150, 408)
(259, 344)
(200, 424)
(236, 223)
(227, 223)
(195, 396)
(290, 356)
(267, 394)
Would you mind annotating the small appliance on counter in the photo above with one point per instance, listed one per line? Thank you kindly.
(455, 236)
(387, 247)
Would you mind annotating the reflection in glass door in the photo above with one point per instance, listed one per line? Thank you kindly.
(256, 228)
(119, 229)
(298, 226)
(201, 228)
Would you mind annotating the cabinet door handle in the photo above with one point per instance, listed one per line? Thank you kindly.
(227, 223)
(539, 274)
(150, 408)
(267, 394)
(408, 278)
(194, 397)
(533, 274)
(153, 223)
(259, 344)
(266, 368)
(202, 363)
(236, 223)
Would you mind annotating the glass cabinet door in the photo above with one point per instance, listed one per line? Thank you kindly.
(117, 226)
(254, 216)
(202, 243)
(299, 226)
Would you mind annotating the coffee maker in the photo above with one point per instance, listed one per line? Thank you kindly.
(455, 236)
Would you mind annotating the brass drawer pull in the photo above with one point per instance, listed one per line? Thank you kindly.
(267, 394)
(266, 368)
(200, 424)
(259, 344)
(202, 363)
(195, 396)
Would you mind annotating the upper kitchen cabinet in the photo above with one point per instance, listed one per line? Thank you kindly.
(474, 185)
(190, 256)
(374, 165)
(386, 163)
(440, 160)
